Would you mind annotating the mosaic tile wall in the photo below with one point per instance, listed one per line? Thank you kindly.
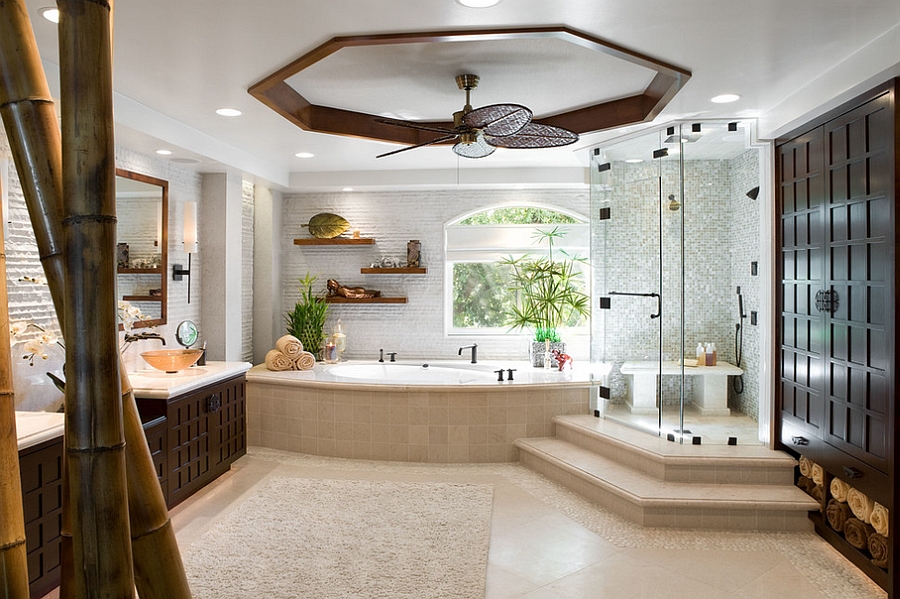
(716, 227)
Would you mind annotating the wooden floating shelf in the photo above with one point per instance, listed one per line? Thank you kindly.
(139, 271)
(402, 270)
(365, 300)
(142, 298)
(335, 241)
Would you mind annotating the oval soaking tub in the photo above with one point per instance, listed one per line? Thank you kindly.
(417, 411)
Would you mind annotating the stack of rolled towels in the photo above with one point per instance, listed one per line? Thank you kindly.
(812, 479)
(289, 355)
(863, 522)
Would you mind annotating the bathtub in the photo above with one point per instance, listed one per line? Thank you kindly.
(411, 410)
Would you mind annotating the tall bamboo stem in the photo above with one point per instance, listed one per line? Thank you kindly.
(95, 438)
(13, 552)
(35, 139)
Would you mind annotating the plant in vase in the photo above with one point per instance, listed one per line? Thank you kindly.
(306, 321)
(549, 294)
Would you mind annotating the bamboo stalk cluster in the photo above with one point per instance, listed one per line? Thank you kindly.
(117, 535)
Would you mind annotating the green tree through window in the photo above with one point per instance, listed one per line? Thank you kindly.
(482, 292)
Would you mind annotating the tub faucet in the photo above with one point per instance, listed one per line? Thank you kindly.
(474, 348)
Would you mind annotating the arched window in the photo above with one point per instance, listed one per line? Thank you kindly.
(479, 293)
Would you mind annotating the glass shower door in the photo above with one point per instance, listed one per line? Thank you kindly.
(637, 255)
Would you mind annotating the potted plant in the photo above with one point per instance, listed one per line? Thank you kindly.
(306, 321)
(549, 294)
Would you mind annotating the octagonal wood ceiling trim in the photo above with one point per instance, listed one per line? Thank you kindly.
(277, 94)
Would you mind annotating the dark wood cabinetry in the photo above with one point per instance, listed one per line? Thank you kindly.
(40, 468)
(204, 433)
(836, 202)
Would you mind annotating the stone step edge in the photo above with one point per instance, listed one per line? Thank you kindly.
(669, 459)
(757, 503)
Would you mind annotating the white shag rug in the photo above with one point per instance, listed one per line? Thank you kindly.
(328, 539)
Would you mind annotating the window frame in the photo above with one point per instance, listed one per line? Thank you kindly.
(517, 241)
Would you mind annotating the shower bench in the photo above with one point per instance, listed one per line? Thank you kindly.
(709, 395)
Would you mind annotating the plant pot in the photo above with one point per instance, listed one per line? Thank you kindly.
(537, 353)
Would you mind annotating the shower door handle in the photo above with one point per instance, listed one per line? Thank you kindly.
(656, 295)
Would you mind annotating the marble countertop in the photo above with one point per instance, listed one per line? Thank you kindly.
(36, 427)
(156, 384)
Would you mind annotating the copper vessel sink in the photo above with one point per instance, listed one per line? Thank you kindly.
(171, 360)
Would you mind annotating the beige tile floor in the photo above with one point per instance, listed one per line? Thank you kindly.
(548, 543)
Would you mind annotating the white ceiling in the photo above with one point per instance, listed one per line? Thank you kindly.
(177, 61)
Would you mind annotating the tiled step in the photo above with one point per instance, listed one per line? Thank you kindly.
(668, 461)
(654, 502)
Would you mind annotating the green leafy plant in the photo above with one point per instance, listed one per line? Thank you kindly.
(549, 290)
(306, 321)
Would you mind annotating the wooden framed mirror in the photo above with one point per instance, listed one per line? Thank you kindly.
(142, 210)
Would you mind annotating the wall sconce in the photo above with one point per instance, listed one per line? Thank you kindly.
(190, 244)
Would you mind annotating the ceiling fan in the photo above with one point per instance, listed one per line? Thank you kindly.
(480, 131)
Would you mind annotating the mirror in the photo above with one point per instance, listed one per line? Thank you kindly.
(142, 209)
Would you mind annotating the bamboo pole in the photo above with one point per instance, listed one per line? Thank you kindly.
(95, 438)
(13, 551)
(159, 572)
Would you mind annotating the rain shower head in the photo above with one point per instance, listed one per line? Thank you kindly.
(753, 193)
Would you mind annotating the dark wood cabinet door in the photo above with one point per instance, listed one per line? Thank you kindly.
(800, 197)
(860, 265)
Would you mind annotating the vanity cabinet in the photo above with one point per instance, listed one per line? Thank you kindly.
(40, 469)
(204, 433)
(836, 276)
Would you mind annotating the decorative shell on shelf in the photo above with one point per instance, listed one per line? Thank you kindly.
(326, 225)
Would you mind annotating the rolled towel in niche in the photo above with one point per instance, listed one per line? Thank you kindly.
(805, 466)
(817, 474)
(860, 504)
(879, 547)
(837, 513)
(839, 489)
(857, 533)
(880, 519)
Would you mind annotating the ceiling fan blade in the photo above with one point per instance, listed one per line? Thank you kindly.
(411, 125)
(535, 135)
(436, 140)
(498, 119)
(477, 149)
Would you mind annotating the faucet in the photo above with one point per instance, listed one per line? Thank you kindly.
(392, 354)
(474, 348)
(130, 338)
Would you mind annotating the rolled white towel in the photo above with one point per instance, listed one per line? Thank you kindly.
(805, 466)
(277, 361)
(839, 489)
(880, 519)
(305, 361)
(289, 346)
(818, 474)
(860, 505)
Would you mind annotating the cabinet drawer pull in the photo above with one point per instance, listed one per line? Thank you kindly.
(213, 403)
(799, 440)
(852, 472)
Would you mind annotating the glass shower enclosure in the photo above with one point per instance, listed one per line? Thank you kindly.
(673, 254)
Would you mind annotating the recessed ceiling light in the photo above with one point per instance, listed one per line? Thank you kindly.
(478, 3)
(228, 112)
(347, 189)
(725, 98)
(51, 13)
(304, 154)
(164, 152)
(634, 160)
